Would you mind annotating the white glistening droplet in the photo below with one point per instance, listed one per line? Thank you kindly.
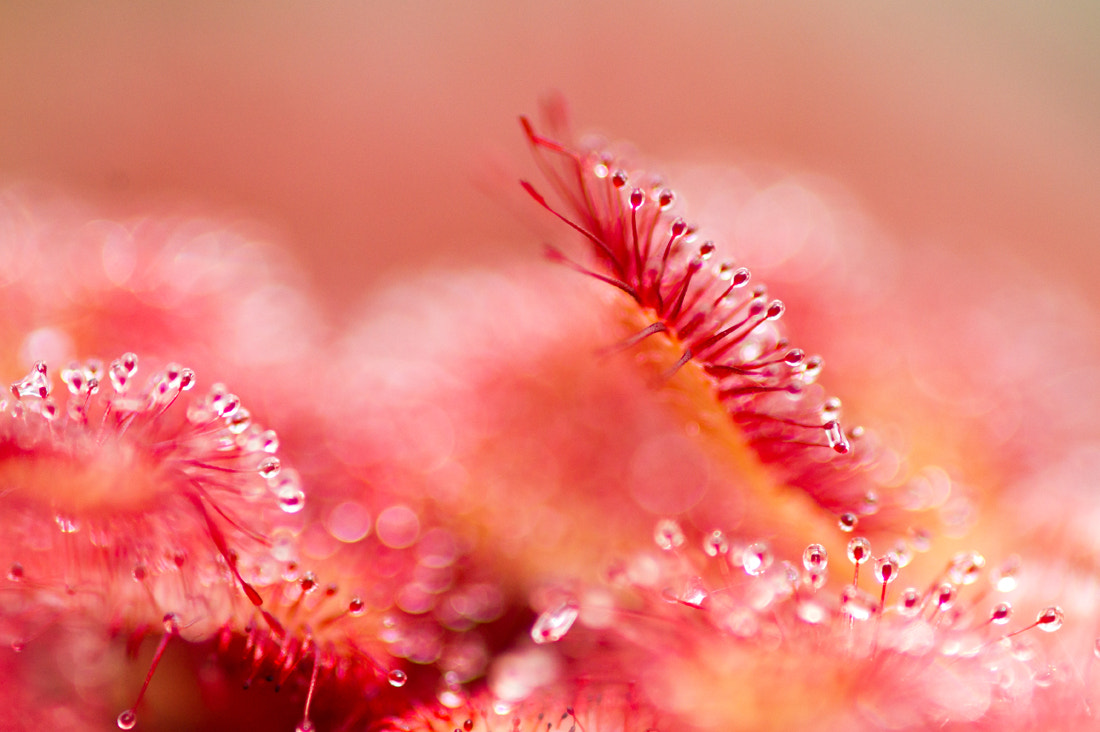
(554, 623)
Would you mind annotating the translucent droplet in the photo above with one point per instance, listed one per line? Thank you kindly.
(903, 552)
(834, 435)
(794, 357)
(397, 678)
(966, 567)
(15, 572)
(706, 250)
(1000, 614)
(171, 623)
(269, 467)
(226, 405)
(677, 228)
(552, 624)
(695, 592)
(945, 596)
(830, 409)
(665, 198)
(859, 550)
(1004, 577)
(776, 309)
(619, 178)
(73, 376)
(291, 499)
(308, 582)
(637, 198)
(756, 559)
(269, 441)
(36, 383)
(909, 603)
(715, 544)
(187, 379)
(127, 719)
(356, 607)
(815, 559)
(886, 569)
(668, 534)
(848, 522)
(239, 421)
(814, 365)
(1050, 619)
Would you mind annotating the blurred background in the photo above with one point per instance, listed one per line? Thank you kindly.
(367, 135)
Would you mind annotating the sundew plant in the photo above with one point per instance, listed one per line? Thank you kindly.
(618, 490)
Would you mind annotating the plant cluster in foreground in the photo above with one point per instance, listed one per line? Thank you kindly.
(519, 504)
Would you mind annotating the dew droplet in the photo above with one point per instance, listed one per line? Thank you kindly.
(706, 250)
(269, 467)
(289, 495)
(552, 624)
(695, 592)
(794, 357)
(848, 522)
(397, 678)
(1000, 614)
(668, 534)
(677, 228)
(637, 198)
(903, 552)
(859, 550)
(1004, 577)
(15, 572)
(356, 607)
(1050, 619)
(665, 198)
(834, 435)
(756, 559)
(945, 596)
(239, 421)
(36, 383)
(910, 602)
(619, 178)
(886, 569)
(966, 567)
(715, 544)
(308, 583)
(815, 559)
(127, 719)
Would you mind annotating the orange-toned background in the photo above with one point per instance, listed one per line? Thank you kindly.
(356, 129)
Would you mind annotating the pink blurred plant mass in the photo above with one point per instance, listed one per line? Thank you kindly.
(736, 454)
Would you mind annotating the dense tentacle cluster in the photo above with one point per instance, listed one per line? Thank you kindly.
(135, 501)
(725, 615)
(723, 324)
